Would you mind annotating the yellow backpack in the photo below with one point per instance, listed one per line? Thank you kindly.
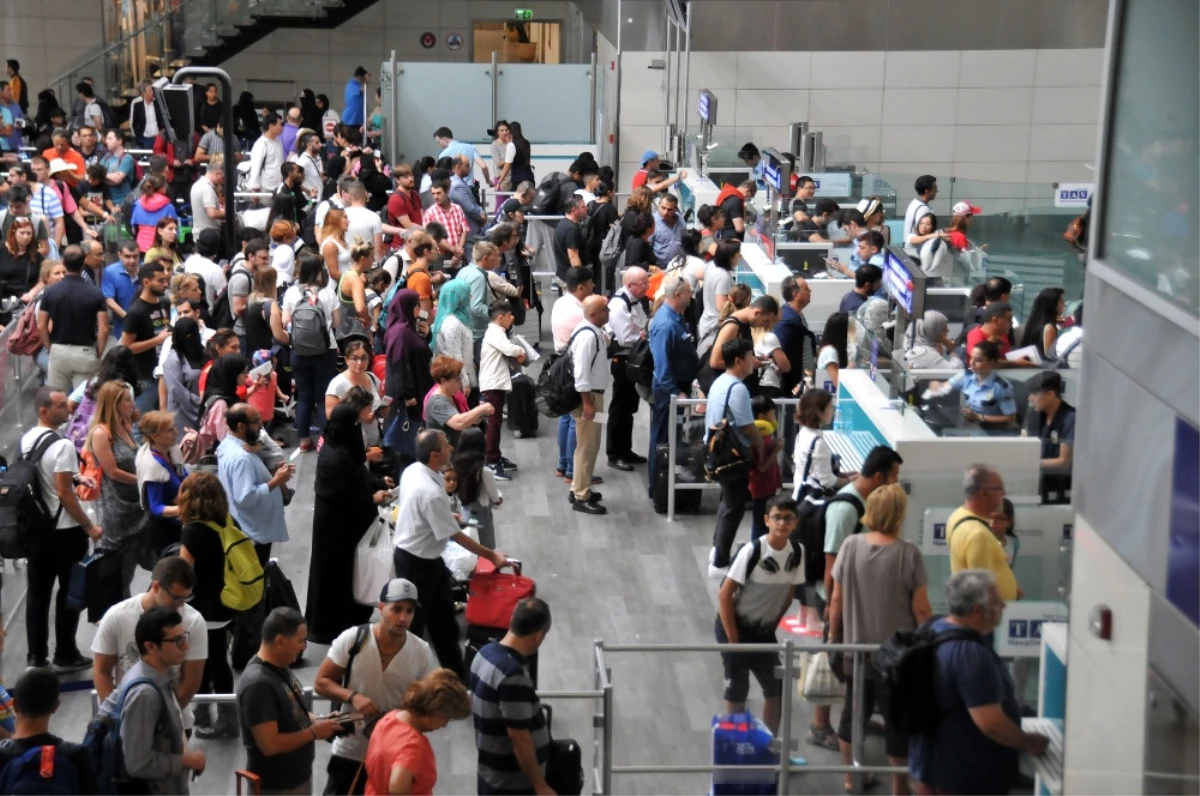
(244, 578)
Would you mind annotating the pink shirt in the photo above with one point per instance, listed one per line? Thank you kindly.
(564, 317)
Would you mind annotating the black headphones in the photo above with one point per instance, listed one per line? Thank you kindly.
(793, 560)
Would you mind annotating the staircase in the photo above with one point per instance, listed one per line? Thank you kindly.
(230, 33)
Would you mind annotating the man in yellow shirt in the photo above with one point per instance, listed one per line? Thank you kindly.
(969, 530)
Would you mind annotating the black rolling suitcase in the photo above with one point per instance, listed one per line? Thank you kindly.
(522, 408)
(689, 469)
(478, 637)
(564, 768)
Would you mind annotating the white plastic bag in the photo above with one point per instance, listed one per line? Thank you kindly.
(820, 685)
(459, 560)
(374, 564)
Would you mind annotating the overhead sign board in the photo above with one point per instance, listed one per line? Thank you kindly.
(835, 185)
(523, 14)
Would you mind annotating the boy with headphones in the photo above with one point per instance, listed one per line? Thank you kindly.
(752, 600)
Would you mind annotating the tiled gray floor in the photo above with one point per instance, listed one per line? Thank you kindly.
(626, 577)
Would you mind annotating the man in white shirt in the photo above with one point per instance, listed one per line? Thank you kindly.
(424, 523)
(116, 649)
(207, 212)
(926, 188)
(58, 471)
(266, 157)
(589, 356)
(309, 159)
(565, 315)
(368, 669)
(364, 222)
(201, 263)
(627, 323)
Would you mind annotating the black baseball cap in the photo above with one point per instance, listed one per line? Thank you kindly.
(513, 205)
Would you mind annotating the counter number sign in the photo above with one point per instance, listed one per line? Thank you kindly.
(523, 14)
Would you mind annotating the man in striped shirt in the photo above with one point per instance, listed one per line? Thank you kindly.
(450, 216)
(511, 734)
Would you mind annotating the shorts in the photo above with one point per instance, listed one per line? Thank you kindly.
(739, 666)
(809, 597)
(895, 743)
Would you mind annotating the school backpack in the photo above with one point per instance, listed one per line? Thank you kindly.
(25, 520)
(906, 665)
(40, 769)
(103, 738)
(244, 577)
(310, 332)
(556, 395)
(810, 530)
(547, 201)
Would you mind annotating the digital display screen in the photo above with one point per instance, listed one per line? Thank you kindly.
(773, 175)
(706, 107)
(897, 282)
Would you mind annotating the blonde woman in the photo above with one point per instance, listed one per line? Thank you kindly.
(160, 472)
(110, 441)
(332, 237)
(879, 588)
(352, 293)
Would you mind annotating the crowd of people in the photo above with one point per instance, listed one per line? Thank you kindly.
(373, 308)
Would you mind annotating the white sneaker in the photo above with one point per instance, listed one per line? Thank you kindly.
(716, 572)
(712, 554)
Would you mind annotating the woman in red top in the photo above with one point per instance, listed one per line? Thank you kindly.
(960, 222)
(399, 756)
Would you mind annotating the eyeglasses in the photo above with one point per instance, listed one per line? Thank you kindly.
(179, 641)
(360, 360)
(179, 599)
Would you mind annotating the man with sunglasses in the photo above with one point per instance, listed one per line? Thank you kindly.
(115, 645)
(155, 751)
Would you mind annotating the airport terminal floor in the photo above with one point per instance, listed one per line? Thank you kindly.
(628, 577)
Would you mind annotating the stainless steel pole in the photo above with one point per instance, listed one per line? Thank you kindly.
(856, 724)
(687, 73)
(616, 117)
(393, 141)
(593, 76)
(671, 443)
(785, 717)
(666, 139)
(495, 74)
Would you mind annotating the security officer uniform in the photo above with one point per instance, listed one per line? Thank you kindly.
(990, 397)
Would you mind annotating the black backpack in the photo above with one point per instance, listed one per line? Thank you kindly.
(793, 560)
(220, 314)
(556, 395)
(810, 531)
(547, 202)
(587, 233)
(906, 666)
(25, 521)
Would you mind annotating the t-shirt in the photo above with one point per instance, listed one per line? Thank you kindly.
(397, 743)
(878, 582)
(978, 335)
(73, 306)
(728, 386)
(8, 713)
(973, 546)
(958, 757)
(115, 636)
(734, 206)
(268, 693)
(212, 274)
(418, 281)
(385, 687)
(364, 224)
(146, 321)
(404, 203)
(851, 302)
(204, 195)
(60, 457)
(841, 520)
(768, 375)
(239, 285)
(100, 194)
(124, 164)
(765, 593)
(438, 411)
(12, 748)
(717, 282)
(503, 697)
(566, 236)
(340, 384)
(917, 208)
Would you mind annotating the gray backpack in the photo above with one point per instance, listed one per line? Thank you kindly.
(310, 331)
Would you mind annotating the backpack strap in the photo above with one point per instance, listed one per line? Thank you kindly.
(35, 455)
(842, 497)
(360, 640)
(162, 721)
(808, 464)
(968, 518)
(576, 334)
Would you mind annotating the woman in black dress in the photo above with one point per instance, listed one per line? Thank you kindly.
(347, 497)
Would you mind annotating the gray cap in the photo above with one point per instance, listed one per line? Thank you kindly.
(399, 589)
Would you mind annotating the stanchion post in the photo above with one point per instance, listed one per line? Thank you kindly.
(856, 725)
(785, 717)
(672, 441)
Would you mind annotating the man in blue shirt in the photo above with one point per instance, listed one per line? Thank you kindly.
(978, 739)
(120, 284)
(668, 230)
(354, 110)
(729, 399)
(752, 158)
(11, 120)
(798, 342)
(460, 194)
(453, 149)
(675, 361)
(255, 496)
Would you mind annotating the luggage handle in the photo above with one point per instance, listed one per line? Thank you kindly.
(253, 782)
(515, 563)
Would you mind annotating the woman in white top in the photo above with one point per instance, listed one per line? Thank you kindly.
(769, 351)
(833, 352)
(812, 459)
(358, 374)
(503, 153)
(452, 330)
(931, 346)
(688, 260)
(283, 256)
(312, 372)
(718, 279)
(332, 236)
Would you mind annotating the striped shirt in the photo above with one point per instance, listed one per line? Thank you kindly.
(503, 697)
(45, 202)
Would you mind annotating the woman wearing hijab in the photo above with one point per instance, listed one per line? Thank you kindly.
(228, 373)
(347, 495)
(452, 329)
(408, 379)
(245, 118)
(932, 346)
(310, 114)
(181, 373)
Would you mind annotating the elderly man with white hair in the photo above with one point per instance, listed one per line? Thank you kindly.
(627, 325)
(675, 360)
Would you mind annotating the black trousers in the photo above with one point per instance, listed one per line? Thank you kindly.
(621, 410)
(341, 780)
(729, 517)
(218, 675)
(53, 563)
(435, 618)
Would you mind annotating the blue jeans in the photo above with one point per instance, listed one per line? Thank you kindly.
(312, 375)
(660, 415)
(566, 444)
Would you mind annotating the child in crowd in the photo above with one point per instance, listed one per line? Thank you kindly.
(378, 282)
(262, 388)
(495, 380)
(450, 478)
(765, 476)
(98, 189)
(476, 484)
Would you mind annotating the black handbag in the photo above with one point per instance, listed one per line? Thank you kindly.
(726, 458)
(96, 584)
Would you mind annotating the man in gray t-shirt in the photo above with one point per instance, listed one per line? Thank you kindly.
(241, 276)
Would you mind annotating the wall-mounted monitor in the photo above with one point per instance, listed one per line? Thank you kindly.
(706, 107)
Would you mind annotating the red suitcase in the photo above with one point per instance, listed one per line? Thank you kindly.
(492, 595)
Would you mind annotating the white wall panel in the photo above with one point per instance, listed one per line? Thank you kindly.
(918, 106)
(921, 69)
(852, 144)
(993, 105)
(926, 143)
(991, 144)
(846, 70)
(845, 107)
(767, 108)
(1066, 105)
(997, 68)
(773, 69)
(1068, 67)
(1061, 141)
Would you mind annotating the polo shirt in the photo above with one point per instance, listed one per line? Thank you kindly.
(729, 390)
(118, 285)
(973, 546)
(73, 305)
(503, 698)
(403, 203)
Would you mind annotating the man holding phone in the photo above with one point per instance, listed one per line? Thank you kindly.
(255, 494)
(367, 670)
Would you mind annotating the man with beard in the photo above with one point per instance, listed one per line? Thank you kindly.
(147, 325)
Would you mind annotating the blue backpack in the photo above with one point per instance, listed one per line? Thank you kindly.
(103, 739)
(40, 770)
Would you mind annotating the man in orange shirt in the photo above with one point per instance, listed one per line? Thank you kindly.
(62, 149)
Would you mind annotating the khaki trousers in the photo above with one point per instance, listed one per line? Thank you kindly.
(587, 446)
